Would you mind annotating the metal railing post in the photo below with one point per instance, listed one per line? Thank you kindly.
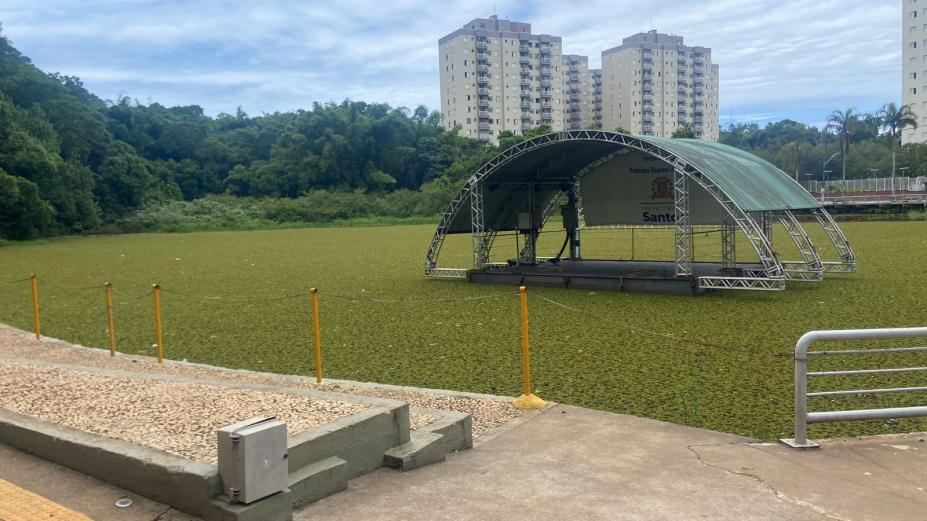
(801, 397)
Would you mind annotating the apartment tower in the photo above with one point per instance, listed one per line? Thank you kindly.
(596, 97)
(652, 84)
(914, 67)
(578, 101)
(497, 76)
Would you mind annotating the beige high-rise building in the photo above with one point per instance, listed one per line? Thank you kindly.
(596, 97)
(652, 84)
(496, 76)
(578, 100)
(914, 67)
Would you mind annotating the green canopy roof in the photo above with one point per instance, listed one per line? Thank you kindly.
(751, 182)
(552, 162)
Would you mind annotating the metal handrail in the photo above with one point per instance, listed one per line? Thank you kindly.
(803, 417)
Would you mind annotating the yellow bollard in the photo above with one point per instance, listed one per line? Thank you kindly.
(527, 400)
(108, 297)
(35, 307)
(318, 340)
(156, 296)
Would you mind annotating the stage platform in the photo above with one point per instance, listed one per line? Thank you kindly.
(613, 275)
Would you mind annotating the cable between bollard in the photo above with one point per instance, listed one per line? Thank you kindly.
(230, 299)
(667, 336)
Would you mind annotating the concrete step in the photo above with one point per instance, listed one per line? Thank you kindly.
(456, 427)
(272, 508)
(424, 448)
(317, 480)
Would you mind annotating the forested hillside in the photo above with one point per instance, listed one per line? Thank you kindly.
(70, 162)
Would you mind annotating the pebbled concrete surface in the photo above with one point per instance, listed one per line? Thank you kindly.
(574, 463)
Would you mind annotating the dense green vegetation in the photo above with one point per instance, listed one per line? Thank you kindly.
(73, 163)
(867, 142)
(738, 378)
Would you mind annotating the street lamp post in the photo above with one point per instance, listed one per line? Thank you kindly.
(825, 171)
(903, 174)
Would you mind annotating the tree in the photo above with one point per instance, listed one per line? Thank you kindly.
(622, 130)
(843, 123)
(894, 119)
(685, 130)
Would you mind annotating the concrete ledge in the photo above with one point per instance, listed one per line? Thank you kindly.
(184, 484)
(360, 440)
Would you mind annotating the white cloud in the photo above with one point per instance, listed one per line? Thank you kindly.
(778, 58)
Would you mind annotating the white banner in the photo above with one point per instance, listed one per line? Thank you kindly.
(637, 188)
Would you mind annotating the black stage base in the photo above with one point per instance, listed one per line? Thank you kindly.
(613, 275)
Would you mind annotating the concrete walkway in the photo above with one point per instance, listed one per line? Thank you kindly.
(574, 463)
(93, 498)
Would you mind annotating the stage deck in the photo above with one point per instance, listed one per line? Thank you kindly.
(614, 275)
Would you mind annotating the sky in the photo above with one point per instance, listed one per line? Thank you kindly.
(797, 59)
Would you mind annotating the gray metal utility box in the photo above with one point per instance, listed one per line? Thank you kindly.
(253, 458)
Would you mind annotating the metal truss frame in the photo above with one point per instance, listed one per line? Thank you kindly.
(847, 263)
(682, 226)
(728, 242)
(772, 276)
(810, 268)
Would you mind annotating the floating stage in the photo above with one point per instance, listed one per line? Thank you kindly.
(597, 179)
(635, 276)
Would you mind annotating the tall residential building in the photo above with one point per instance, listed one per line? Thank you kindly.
(497, 76)
(914, 67)
(578, 101)
(596, 97)
(652, 84)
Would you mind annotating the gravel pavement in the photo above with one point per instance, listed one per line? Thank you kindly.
(488, 413)
(178, 418)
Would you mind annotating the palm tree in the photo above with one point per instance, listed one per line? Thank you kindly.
(894, 119)
(843, 123)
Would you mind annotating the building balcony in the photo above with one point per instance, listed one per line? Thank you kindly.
(648, 128)
(525, 103)
(482, 67)
(482, 102)
(483, 78)
(647, 66)
(547, 121)
(524, 47)
(524, 58)
(484, 114)
(545, 70)
(482, 44)
(484, 126)
(545, 82)
(526, 70)
(648, 96)
(546, 104)
(483, 90)
(545, 60)
(525, 81)
(482, 56)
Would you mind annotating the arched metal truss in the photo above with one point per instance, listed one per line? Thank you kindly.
(757, 230)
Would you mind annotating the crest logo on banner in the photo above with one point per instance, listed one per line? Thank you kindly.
(661, 188)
